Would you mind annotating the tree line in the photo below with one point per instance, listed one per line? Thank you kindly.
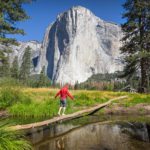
(23, 72)
(111, 82)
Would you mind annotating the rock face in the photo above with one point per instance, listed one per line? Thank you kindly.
(79, 44)
(20, 50)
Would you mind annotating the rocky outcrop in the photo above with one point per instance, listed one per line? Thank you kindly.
(79, 44)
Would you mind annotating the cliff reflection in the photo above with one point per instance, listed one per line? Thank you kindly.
(119, 136)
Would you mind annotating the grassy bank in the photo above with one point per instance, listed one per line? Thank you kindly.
(12, 140)
(36, 102)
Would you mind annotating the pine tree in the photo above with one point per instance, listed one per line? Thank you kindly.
(26, 66)
(5, 63)
(15, 68)
(43, 79)
(11, 12)
(6, 67)
(136, 38)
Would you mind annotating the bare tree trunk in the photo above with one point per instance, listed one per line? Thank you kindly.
(144, 75)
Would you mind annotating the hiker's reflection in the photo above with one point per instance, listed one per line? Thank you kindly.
(60, 143)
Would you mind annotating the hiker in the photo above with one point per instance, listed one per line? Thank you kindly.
(63, 93)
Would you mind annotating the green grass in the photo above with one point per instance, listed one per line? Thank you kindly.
(12, 140)
(40, 102)
(141, 109)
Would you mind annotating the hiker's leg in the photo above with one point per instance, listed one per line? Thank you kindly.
(64, 108)
(59, 110)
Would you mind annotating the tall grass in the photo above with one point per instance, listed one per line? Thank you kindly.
(13, 140)
(9, 96)
(40, 102)
(10, 92)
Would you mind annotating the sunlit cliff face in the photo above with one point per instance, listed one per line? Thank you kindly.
(79, 44)
(75, 46)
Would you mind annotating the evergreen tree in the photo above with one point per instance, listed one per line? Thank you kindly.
(42, 78)
(136, 38)
(15, 68)
(76, 86)
(5, 68)
(11, 11)
(5, 63)
(26, 66)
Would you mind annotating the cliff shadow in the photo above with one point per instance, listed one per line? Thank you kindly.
(57, 32)
(50, 51)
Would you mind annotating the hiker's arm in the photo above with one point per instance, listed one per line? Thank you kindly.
(70, 95)
(57, 94)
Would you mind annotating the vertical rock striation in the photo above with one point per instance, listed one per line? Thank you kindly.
(79, 44)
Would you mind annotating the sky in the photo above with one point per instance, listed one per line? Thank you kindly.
(44, 12)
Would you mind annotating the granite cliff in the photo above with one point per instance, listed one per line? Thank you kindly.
(75, 46)
(79, 44)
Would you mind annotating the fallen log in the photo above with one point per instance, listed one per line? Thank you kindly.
(68, 117)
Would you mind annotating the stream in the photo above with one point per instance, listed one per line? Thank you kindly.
(93, 133)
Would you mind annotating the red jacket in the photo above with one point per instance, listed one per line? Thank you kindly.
(64, 92)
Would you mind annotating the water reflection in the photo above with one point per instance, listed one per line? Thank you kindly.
(96, 136)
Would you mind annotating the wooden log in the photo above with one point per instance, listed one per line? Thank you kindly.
(68, 117)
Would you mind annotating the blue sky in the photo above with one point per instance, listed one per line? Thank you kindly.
(43, 12)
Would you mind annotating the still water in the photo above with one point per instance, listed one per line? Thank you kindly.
(91, 133)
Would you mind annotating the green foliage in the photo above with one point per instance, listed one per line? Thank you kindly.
(136, 39)
(26, 66)
(104, 77)
(9, 96)
(43, 79)
(12, 140)
(140, 99)
(103, 82)
(10, 13)
(47, 106)
(39, 80)
(40, 102)
(10, 92)
(15, 68)
(9, 82)
(5, 66)
(141, 109)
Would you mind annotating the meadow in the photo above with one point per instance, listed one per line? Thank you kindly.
(40, 102)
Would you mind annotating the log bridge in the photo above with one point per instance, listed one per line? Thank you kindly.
(66, 117)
